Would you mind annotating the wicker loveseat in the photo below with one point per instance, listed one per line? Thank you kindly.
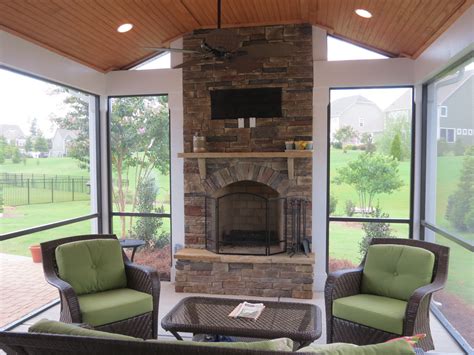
(53, 337)
(98, 285)
(388, 295)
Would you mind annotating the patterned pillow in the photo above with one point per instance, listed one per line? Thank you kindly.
(412, 340)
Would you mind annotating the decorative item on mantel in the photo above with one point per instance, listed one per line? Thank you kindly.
(199, 143)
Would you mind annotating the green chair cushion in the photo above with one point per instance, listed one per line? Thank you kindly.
(396, 271)
(91, 266)
(55, 327)
(399, 347)
(280, 344)
(114, 305)
(378, 312)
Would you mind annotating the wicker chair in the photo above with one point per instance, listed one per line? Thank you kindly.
(139, 278)
(345, 283)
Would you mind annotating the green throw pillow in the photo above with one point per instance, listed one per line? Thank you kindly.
(399, 347)
(54, 327)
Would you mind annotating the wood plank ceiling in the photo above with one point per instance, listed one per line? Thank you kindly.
(85, 30)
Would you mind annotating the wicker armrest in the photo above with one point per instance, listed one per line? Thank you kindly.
(68, 297)
(418, 304)
(142, 278)
(343, 283)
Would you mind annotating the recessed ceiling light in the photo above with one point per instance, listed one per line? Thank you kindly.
(125, 27)
(363, 13)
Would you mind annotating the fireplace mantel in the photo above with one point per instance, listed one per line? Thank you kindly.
(290, 155)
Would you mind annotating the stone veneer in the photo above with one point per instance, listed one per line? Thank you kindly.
(294, 74)
(200, 271)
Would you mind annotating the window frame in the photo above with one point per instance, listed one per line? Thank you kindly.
(410, 220)
(111, 213)
(424, 224)
(98, 178)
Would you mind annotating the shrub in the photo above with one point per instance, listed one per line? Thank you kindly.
(461, 202)
(396, 148)
(374, 230)
(459, 148)
(443, 148)
(332, 204)
(16, 157)
(337, 145)
(350, 208)
(146, 227)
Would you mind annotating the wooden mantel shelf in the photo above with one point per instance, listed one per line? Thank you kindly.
(289, 155)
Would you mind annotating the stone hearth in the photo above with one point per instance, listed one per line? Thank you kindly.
(201, 271)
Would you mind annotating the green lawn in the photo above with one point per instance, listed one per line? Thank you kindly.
(53, 166)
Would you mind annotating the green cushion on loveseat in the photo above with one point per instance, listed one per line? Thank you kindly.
(91, 266)
(55, 327)
(396, 271)
(279, 344)
(373, 311)
(399, 347)
(114, 305)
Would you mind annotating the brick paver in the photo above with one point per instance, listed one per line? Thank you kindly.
(22, 287)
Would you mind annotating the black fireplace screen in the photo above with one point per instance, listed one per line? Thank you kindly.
(246, 223)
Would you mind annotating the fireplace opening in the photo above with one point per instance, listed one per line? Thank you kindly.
(246, 218)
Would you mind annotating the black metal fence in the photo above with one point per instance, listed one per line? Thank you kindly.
(27, 189)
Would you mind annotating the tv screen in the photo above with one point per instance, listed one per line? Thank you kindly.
(244, 103)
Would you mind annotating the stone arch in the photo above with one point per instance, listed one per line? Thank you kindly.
(247, 172)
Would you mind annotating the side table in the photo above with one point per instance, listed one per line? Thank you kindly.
(131, 243)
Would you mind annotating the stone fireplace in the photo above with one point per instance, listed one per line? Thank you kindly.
(236, 202)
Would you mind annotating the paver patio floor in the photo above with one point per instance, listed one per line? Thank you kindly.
(23, 287)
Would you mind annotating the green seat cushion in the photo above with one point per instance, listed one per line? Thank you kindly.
(373, 311)
(91, 266)
(399, 347)
(114, 305)
(280, 344)
(55, 327)
(396, 271)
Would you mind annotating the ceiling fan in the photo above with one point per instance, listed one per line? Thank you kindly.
(222, 46)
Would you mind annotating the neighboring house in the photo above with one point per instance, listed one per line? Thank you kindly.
(455, 111)
(13, 134)
(61, 142)
(359, 112)
(401, 107)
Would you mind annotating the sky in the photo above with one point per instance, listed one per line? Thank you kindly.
(23, 98)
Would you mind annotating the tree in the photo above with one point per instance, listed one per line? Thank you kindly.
(332, 204)
(397, 123)
(41, 143)
(396, 148)
(344, 135)
(76, 119)
(3, 147)
(29, 144)
(34, 127)
(16, 156)
(367, 140)
(461, 202)
(370, 175)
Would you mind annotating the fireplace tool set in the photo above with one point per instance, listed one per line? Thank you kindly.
(298, 243)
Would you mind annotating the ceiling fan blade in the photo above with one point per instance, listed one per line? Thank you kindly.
(192, 62)
(270, 50)
(164, 49)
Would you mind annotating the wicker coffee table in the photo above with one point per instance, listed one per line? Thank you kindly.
(300, 322)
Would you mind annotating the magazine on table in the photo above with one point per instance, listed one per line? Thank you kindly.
(247, 310)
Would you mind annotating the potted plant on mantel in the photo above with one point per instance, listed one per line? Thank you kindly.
(35, 251)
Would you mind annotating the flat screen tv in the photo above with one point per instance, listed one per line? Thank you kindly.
(244, 103)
